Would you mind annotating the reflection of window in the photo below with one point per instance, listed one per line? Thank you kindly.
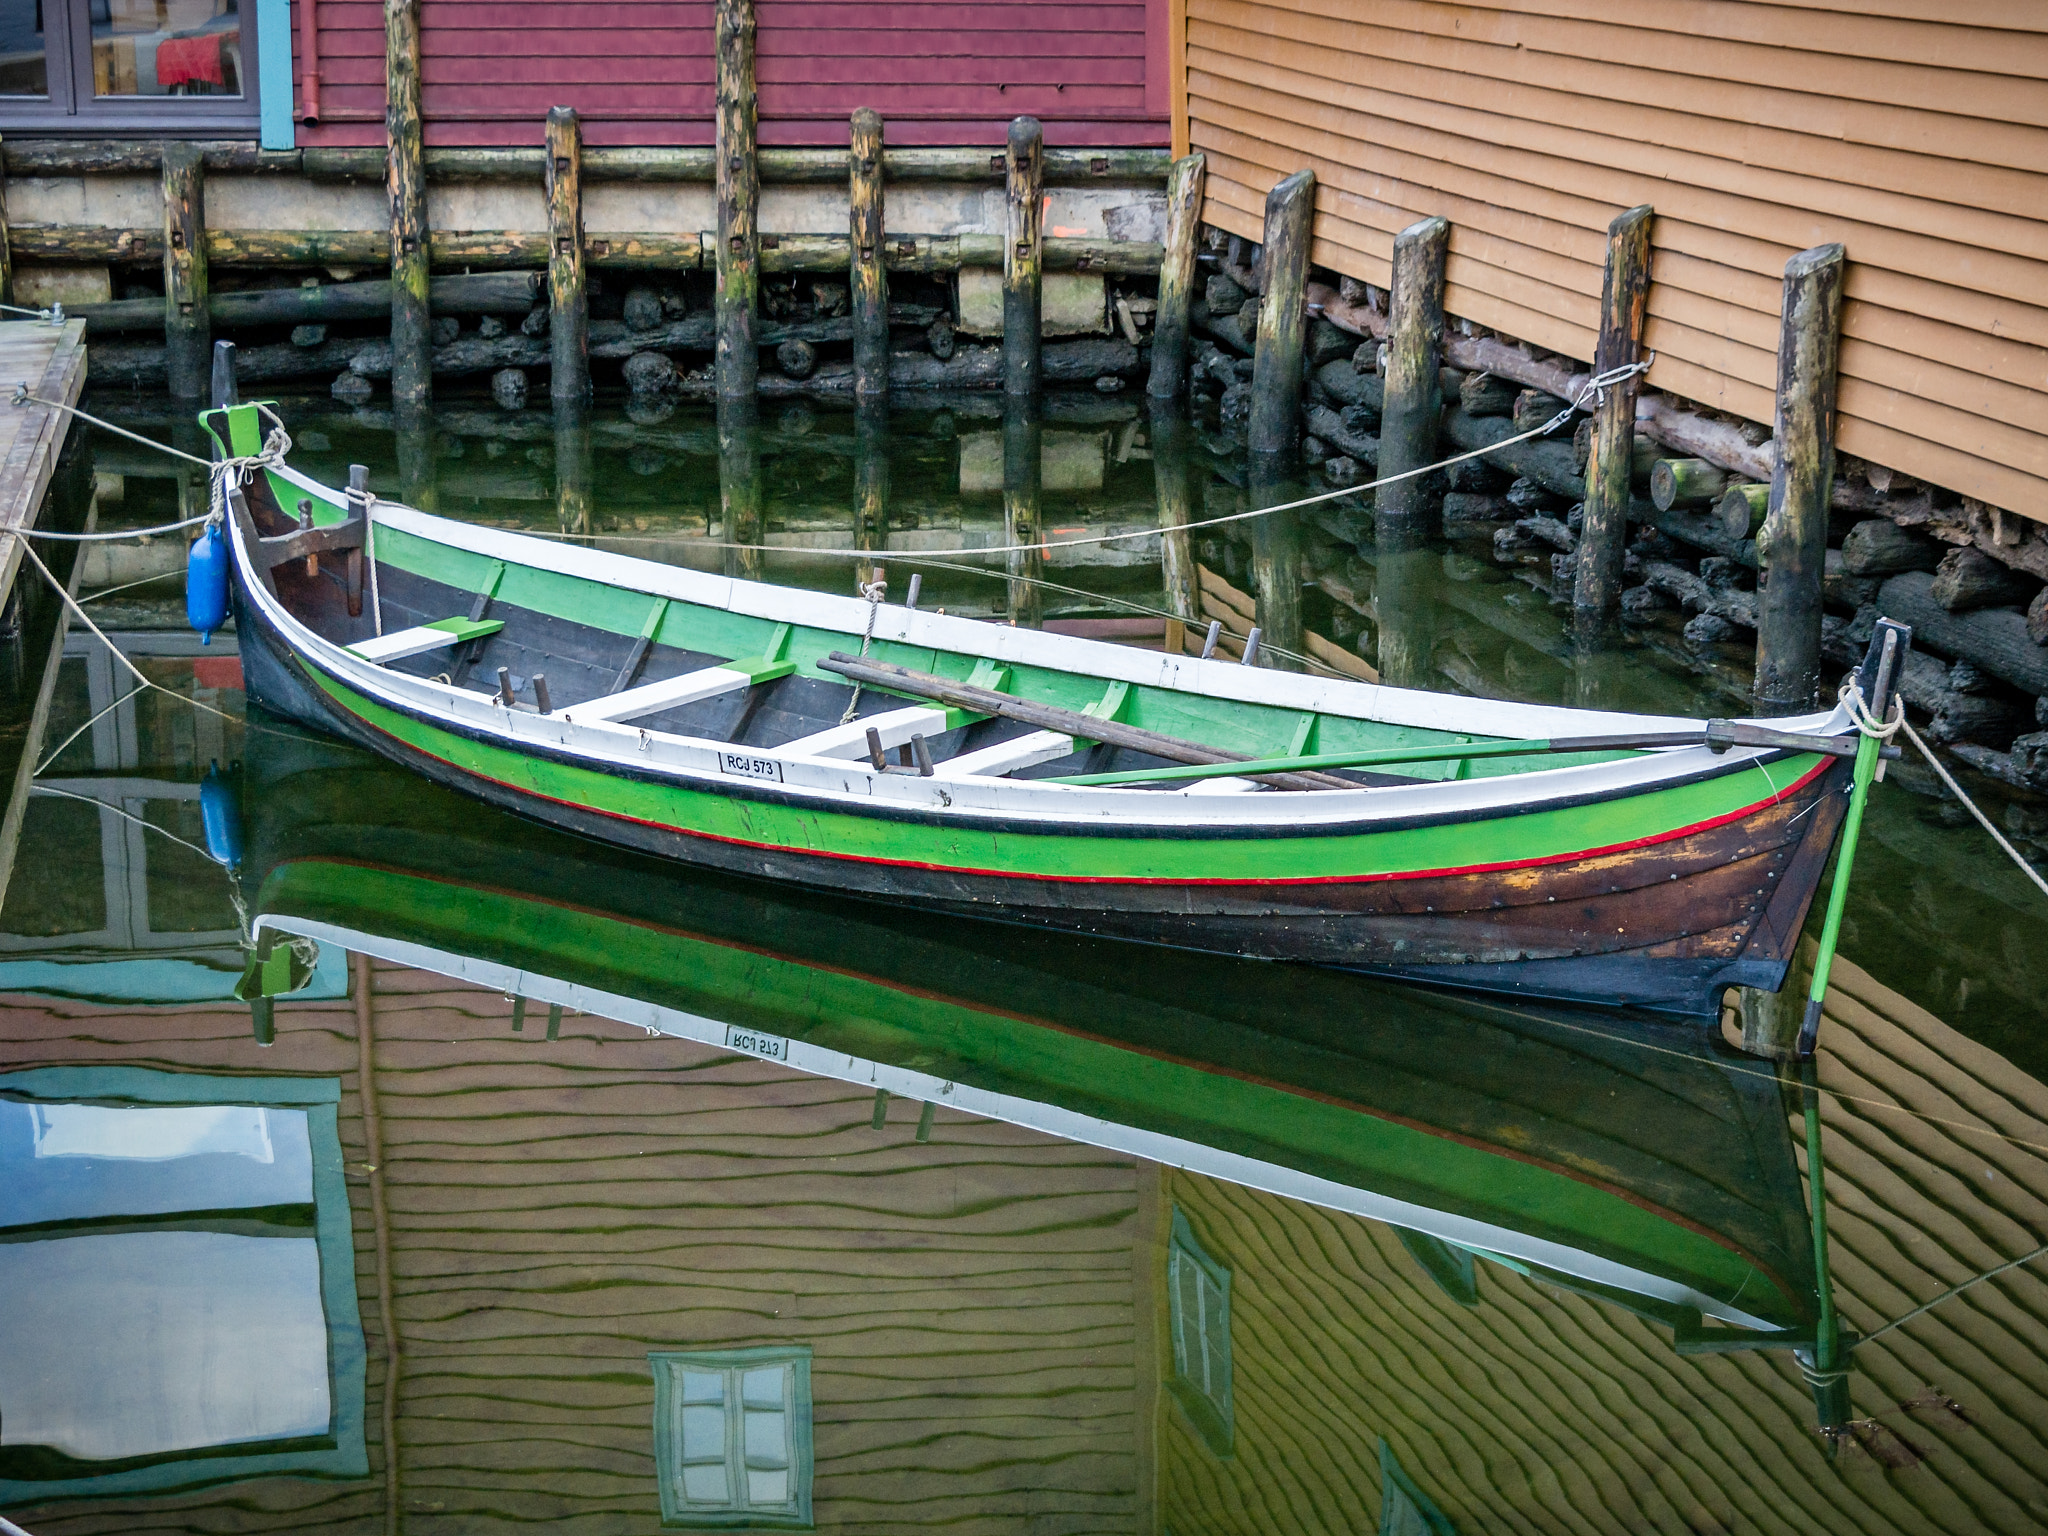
(132, 62)
(732, 1436)
(1198, 1300)
(179, 1267)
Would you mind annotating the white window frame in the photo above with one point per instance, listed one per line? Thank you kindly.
(1203, 1390)
(732, 1366)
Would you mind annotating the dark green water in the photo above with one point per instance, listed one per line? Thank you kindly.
(599, 1194)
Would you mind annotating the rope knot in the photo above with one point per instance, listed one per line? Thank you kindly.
(1851, 699)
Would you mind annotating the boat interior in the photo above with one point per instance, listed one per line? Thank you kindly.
(544, 640)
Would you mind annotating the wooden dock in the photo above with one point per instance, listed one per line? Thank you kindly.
(50, 360)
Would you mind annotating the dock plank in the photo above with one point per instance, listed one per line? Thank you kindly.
(50, 360)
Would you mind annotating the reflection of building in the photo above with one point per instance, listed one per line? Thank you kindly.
(993, 1328)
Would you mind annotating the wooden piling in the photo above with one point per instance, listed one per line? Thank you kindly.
(1603, 537)
(867, 279)
(738, 356)
(1177, 278)
(1413, 389)
(1023, 479)
(1023, 254)
(739, 483)
(1276, 365)
(1172, 459)
(413, 438)
(568, 297)
(1404, 599)
(574, 468)
(188, 325)
(6, 239)
(1276, 560)
(406, 181)
(1795, 530)
(870, 472)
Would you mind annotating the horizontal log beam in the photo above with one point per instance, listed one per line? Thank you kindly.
(504, 249)
(798, 167)
(482, 293)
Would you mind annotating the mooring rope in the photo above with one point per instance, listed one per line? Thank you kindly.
(1954, 1291)
(874, 591)
(1970, 805)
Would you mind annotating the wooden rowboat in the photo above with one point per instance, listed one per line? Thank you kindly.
(880, 751)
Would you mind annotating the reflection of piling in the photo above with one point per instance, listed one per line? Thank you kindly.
(867, 280)
(413, 434)
(1276, 563)
(1793, 542)
(1023, 470)
(1623, 293)
(1023, 254)
(188, 326)
(6, 245)
(738, 358)
(1177, 278)
(739, 482)
(1404, 602)
(1276, 368)
(568, 301)
(1172, 466)
(1413, 390)
(406, 181)
(871, 473)
(574, 471)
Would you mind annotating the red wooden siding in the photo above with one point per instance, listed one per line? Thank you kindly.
(640, 71)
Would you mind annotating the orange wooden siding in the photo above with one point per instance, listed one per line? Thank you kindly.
(1755, 130)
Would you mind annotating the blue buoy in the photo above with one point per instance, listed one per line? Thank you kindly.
(206, 582)
(220, 813)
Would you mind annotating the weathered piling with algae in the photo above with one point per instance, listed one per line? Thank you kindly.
(188, 325)
(575, 470)
(1172, 467)
(871, 470)
(739, 483)
(406, 182)
(1624, 291)
(1793, 542)
(738, 356)
(867, 278)
(1275, 427)
(1177, 278)
(1023, 481)
(1023, 254)
(1412, 398)
(568, 296)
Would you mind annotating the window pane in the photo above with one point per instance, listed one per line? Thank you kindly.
(763, 1389)
(767, 1488)
(166, 48)
(767, 1438)
(24, 68)
(703, 1432)
(705, 1485)
(703, 1386)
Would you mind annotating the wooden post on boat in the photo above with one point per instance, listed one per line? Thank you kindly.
(412, 331)
(1023, 474)
(738, 356)
(1275, 427)
(870, 471)
(1172, 453)
(574, 470)
(1177, 278)
(1023, 255)
(188, 327)
(1792, 545)
(568, 298)
(739, 482)
(1413, 389)
(867, 278)
(1624, 291)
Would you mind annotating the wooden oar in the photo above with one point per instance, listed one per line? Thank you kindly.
(1068, 722)
(1719, 736)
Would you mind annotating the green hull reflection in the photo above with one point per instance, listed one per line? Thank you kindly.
(1621, 1157)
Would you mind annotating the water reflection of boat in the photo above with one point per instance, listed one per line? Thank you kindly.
(1628, 1162)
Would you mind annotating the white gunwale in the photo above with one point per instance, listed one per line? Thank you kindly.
(851, 783)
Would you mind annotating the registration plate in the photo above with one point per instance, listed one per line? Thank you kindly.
(746, 765)
(756, 1043)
